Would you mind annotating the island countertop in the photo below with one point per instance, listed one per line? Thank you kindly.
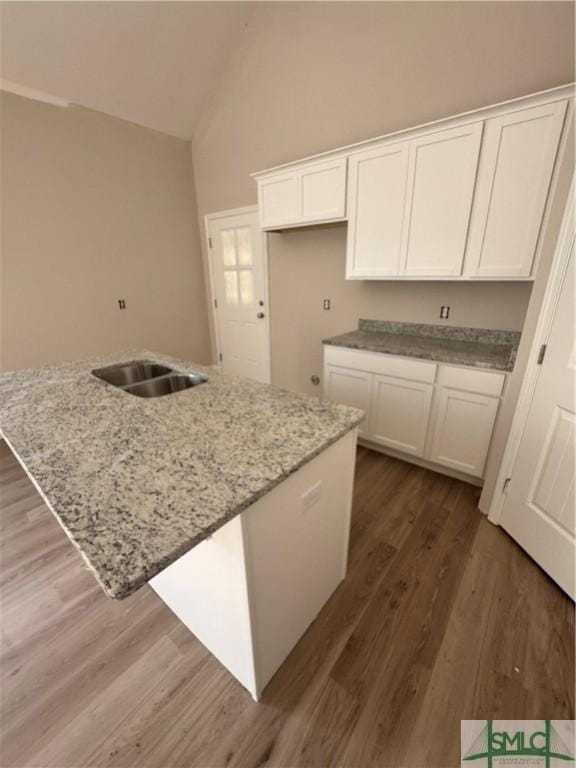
(137, 482)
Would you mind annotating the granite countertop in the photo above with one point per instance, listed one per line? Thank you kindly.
(476, 347)
(137, 482)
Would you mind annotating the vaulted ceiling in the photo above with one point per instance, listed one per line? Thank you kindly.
(153, 63)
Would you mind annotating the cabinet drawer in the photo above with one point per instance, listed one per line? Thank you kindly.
(387, 365)
(471, 380)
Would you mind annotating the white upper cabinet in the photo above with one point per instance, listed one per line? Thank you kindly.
(279, 198)
(518, 155)
(376, 202)
(441, 181)
(323, 191)
(464, 198)
(310, 194)
(409, 205)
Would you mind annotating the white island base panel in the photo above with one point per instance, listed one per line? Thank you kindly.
(251, 590)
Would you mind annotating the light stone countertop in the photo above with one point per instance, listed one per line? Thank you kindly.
(475, 347)
(137, 482)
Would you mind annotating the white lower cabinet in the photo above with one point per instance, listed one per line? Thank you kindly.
(441, 413)
(349, 387)
(400, 413)
(463, 429)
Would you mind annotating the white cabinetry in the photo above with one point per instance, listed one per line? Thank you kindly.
(441, 185)
(518, 155)
(309, 194)
(279, 200)
(376, 202)
(465, 411)
(409, 205)
(463, 429)
(463, 198)
(441, 413)
(350, 387)
(400, 413)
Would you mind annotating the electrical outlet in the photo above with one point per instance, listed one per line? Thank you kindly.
(444, 313)
(326, 304)
(121, 304)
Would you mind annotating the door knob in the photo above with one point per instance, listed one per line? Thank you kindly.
(260, 315)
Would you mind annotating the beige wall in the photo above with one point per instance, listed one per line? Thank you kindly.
(95, 209)
(308, 265)
(311, 76)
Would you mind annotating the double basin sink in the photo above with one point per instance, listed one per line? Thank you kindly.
(145, 378)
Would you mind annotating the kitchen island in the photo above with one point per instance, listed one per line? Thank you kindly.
(231, 499)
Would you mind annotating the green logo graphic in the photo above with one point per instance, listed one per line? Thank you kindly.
(545, 744)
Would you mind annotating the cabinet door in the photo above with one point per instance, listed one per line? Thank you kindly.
(518, 155)
(376, 201)
(349, 387)
(279, 199)
(441, 180)
(463, 429)
(323, 191)
(400, 413)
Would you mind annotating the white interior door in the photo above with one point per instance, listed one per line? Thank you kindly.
(241, 296)
(539, 510)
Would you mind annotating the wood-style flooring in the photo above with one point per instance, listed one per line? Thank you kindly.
(441, 618)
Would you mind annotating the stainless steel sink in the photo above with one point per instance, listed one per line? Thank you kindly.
(131, 373)
(166, 385)
(146, 378)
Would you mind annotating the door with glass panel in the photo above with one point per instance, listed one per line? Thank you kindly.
(241, 296)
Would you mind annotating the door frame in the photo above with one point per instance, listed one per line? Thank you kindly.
(208, 219)
(541, 335)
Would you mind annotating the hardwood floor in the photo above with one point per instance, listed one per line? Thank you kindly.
(441, 618)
